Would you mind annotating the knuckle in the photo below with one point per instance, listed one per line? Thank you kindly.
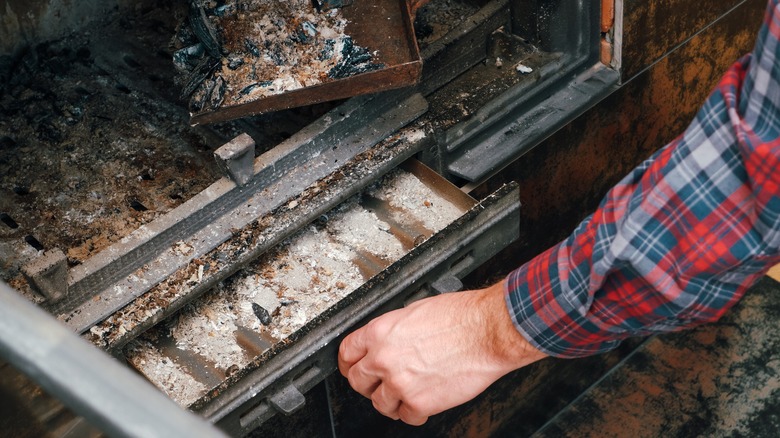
(378, 401)
(379, 326)
(384, 362)
(354, 375)
(412, 415)
(397, 383)
(343, 348)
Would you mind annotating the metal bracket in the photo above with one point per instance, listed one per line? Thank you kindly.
(519, 120)
(48, 275)
(287, 400)
(448, 283)
(236, 159)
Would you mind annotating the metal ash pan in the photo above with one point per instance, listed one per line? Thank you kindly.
(242, 58)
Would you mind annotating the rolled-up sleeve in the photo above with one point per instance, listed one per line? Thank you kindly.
(678, 241)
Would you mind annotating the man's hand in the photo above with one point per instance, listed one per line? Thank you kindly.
(434, 354)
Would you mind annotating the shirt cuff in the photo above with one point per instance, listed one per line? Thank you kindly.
(551, 318)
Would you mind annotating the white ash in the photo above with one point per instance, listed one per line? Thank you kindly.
(208, 328)
(313, 273)
(417, 202)
(302, 65)
(364, 231)
(297, 47)
(167, 375)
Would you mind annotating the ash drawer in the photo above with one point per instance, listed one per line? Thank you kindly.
(280, 379)
(255, 344)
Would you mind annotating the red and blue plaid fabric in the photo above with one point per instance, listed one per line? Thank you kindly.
(678, 241)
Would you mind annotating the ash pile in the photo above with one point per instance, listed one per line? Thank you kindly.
(233, 52)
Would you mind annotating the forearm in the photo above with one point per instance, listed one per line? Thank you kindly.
(680, 239)
(502, 341)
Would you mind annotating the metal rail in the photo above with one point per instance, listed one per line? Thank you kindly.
(113, 278)
(87, 380)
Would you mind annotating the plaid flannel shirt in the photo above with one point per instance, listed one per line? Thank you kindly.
(678, 241)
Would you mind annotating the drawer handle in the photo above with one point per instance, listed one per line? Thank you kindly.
(287, 400)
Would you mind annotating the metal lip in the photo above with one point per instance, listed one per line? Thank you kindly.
(385, 27)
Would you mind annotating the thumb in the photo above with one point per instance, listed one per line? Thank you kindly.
(352, 349)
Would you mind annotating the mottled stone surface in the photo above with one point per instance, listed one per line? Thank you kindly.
(721, 379)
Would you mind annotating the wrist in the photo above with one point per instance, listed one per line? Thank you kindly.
(507, 347)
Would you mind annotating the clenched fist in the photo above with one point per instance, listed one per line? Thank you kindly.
(434, 354)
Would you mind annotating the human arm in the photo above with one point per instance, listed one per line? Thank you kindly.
(675, 244)
(434, 354)
(681, 238)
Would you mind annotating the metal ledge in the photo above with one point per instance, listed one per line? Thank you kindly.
(521, 120)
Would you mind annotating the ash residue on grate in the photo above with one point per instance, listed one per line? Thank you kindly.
(231, 52)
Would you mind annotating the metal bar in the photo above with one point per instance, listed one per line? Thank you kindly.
(149, 255)
(513, 131)
(110, 396)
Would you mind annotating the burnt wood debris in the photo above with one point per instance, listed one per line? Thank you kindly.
(240, 51)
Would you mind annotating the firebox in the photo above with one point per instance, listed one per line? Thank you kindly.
(223, 260)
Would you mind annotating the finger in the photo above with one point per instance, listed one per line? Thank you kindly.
(362, 380)
(385, 402)
(352, 349)
(409, 415)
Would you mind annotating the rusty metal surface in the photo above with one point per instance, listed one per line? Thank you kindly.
(383, 27)
(721, 379)
(652, 29)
